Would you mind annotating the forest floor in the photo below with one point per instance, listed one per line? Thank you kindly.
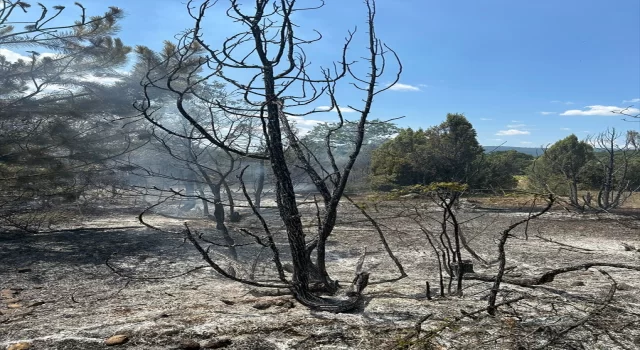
(73, 287)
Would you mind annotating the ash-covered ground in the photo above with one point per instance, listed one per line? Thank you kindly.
(72, 289)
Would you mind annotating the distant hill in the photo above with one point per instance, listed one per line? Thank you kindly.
(534, 151)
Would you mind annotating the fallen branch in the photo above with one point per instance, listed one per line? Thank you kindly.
(629, 247)
(617, 341)
(115, 228)
(548, 276)
(563, 244)
(141, 216)
(603, 305)
(491, 308)
(430, 334)
(473, 253)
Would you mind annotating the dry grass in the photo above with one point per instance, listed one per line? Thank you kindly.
(520, 200)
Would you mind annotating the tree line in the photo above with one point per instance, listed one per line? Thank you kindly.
(600, 172)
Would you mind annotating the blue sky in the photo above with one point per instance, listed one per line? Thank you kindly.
(500, 62)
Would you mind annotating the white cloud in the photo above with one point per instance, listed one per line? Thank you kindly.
(633, 100)
(100, 80)
(565, 129)
(516, 121)
(403, 87)
(525, 142)
(47, 54)
(13, 56)
(486, 119)
(516, 126)
(56, 88)
(599, 110)
(564, 102)
(328, 109)
(548, 113)
(512, 132)
(303, 125)
(48, 88)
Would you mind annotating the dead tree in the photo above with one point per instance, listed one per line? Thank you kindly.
(273, 55)
(615, 184)
(203, 165)
(446, 244)
(502, 256)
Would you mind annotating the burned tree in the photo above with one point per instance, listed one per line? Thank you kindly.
(612, 166)
(602, 163)
(192, 169)
(273, 55)
(206, 172)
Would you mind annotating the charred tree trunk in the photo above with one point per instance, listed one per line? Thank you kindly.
(502, 256)
(607, 185)
(189, 187)
(285, 195)
(205, 204)
(259, 185)
(573, 192)
(233, 215)
(459, 268)
(218, 213)
(326, 229)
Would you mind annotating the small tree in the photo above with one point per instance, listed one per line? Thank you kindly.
(498, 169)
(448, 152)
(54, 141)
(454, 149)
(566, 159)
(393, 163)
(574, 164)
(271, 52)
(445, 195)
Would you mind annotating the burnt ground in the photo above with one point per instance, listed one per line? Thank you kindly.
(58, 292)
